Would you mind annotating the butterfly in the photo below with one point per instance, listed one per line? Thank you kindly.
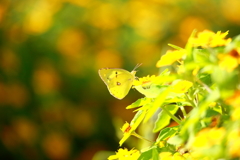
(119, 81)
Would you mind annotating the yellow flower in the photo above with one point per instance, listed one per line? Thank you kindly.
(202, 39)
(145, 81)
(234, 100)
(181, 86)
(124, 154)
(126, 127)
(195, 71)
(205, 140)
(218, 39)
(169, 156)
(229, 61)
(152, 86)
(165, 155)
(233, 141)
(181, 67)
(178, 156)
(210, 39)
(208, 137)
(170, 57)
(212, 104)
(235, 114)
(129, 129)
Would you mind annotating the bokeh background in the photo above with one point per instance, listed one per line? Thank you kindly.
(53, 105)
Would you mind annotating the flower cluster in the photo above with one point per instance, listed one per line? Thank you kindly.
(124, 154)
(204, 86)
(210, 39)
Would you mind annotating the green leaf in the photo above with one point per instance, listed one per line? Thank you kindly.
(151, 91)
(166, 72)
(146, 155)
(211, 112)
(163, 118)
(233, 45)
(167, 133)
(205, 78)
(188, 46)
(213, 96)
(157, 104)
(155, 153)
(227, 81)
(145, 107)
(139, 102)
(137, 118)
(150, 153)
(175, 47)
(201, 57)
(218, 109)
(191, 124)
(175, 140)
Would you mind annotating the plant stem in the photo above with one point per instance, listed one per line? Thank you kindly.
(140, 137)
(204, 85)
(190, 100)
(171, 115)
(183, 111)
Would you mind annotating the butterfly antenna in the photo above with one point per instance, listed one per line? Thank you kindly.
(138, 65)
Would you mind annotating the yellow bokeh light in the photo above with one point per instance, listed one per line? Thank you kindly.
(40, 17)
(70, 43)
(25, 130)
(104, 16)
(189, 24)
(145, 52)
(108, 58)
(45, 79)
(56, 146)
(145, 18)
(231, 10)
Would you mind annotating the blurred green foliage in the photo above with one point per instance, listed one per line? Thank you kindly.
(53, 105)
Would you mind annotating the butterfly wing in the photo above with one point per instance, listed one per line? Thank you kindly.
(118, 81)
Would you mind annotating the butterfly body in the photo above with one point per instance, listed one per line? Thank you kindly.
(118, 81)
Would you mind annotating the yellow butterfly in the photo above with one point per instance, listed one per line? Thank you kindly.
(119, 81)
